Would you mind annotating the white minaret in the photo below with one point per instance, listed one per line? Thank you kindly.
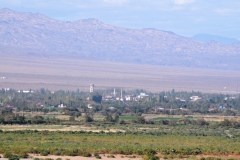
(91, 88)
(121, 95)
(114, 92)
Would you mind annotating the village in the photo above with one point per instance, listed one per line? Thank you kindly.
(117, 101)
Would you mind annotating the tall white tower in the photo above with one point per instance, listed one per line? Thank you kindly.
(91, 88)
(114, 92)
(121, 95)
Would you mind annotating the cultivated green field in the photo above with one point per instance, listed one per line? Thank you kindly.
(75, 143)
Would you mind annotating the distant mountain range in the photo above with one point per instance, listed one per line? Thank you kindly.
(210, 38)
(28, 34)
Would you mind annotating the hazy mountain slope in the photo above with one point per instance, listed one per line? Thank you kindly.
(36, 34)
(219, 39)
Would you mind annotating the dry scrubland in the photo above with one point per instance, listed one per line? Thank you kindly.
(70, 74)
(81, 143)
(56, 128)
(123, 141)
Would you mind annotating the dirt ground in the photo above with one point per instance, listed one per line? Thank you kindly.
(70, 74)
(54, 128)
(125, 157)
(104, 157)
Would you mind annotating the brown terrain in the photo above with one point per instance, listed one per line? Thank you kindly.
(122, 157)
(70, 74)
(37, 35)
(105, 157)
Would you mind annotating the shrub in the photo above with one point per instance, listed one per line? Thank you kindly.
(10, 156)
(44, 152)
(97, 155)
(210, 158)
(111, 156)
(139, 152)
(149, 152)
(23, 155)
(86, 154)
(7, 155)
(14, 157)
(150, 157)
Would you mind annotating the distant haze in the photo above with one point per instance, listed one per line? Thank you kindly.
(37, 35)
(210, 38)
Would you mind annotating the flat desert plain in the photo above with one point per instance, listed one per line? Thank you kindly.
(71, 74)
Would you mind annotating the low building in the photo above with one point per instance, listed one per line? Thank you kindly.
(61, 106)
(112, 108)
(90, 104)
(195, 98)
(222, 107)
(129, 98)
(142, 95)
(180, 99)
(108, 98)
(40, 104)
(9, 106)
(25, 91)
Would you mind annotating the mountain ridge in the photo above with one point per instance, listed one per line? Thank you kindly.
(93, 39)
(219, 39)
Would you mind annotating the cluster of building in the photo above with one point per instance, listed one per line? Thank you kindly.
(113, 96)
(134, 97)
(125, 97)
(25, 91)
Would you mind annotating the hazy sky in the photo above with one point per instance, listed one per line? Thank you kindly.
(184, 17)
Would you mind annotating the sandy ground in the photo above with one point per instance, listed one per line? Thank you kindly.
(69, 74)
(125, 157)
(104, 157)
(54, 128)
(117, 157)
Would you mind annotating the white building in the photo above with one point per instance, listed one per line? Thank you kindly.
(91, 88)
(25, 91)
(128, 97)
(61, 106)
(195, 98)
(142, 95)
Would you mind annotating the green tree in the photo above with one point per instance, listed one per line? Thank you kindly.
(88, 118)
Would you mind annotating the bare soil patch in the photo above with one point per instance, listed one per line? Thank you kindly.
(70, 74)
(54, 128)
(104, 157)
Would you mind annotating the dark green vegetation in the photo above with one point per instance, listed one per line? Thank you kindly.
(166, 140)
(166, 123)
(76, 102)
(44, 107)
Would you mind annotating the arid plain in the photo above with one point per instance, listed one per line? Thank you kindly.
(70, 74)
